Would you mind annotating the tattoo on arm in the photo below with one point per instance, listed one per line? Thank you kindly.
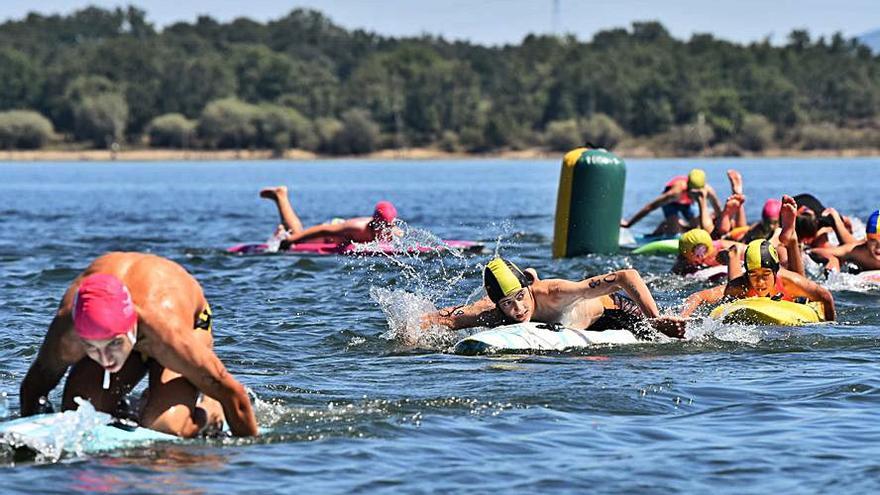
(608, 279)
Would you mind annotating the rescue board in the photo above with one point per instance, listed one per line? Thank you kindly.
(538, 337)
(766, 311)
(354, 249)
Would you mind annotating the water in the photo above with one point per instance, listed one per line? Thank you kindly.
(353, 408)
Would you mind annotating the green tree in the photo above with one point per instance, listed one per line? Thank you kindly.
(359, 133)
(229, 123)
(101, 119)
(20, 80)
(23, 129)
(172, 130)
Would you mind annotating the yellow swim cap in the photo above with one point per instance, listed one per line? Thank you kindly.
(693, 238)
(502, 278)
(761, 254)
(696, 179)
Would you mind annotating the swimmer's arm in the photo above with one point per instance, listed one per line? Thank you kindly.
(705, 219)
(657, 202)
(841, 251)
(479, 314)
(58, 352)
(198, 364)
(713, 198)
(564, 292)
(801, 286)
(697, 299)
(843, 234)
(734, 261)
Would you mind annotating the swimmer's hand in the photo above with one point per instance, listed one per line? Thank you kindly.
(698, 194)
(426, 321)
(624, 223)
(671, 326)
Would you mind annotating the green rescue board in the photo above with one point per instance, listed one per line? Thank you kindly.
(665, 246)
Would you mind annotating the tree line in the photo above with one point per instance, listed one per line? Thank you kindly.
(97, 77)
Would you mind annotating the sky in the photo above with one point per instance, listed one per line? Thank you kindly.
(494, 22)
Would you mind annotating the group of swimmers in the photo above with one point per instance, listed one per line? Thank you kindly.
(129, 315)
(765, 259)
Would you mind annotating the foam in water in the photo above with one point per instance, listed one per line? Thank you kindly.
(70, 433)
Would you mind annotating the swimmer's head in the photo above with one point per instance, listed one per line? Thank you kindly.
(872, 229)
(761, 263)
(696, 179)
(508, 287)
(384, 212)
(696, 246)
(872, 226)
(760, 253)
(105, 319)
(770, 212)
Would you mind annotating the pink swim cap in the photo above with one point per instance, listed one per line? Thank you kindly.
(103, 308)
(385, 212)
(771, 209)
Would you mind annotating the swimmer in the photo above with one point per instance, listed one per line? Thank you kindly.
(854, 255)
(697, 250)
(768, 224)
(618, 300)
(683, 201)
(361, 229)
(129, 315)
(764, 277)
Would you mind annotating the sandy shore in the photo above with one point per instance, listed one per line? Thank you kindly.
(398, 154)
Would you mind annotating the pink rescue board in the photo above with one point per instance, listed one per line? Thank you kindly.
(711, 274)
(320, 249)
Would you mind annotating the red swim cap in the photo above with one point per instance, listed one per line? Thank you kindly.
(385, 212)
(103, 308)
(771, 209)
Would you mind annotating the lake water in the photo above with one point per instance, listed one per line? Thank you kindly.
(351, 408)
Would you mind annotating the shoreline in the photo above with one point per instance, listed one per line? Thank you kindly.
(153, 154)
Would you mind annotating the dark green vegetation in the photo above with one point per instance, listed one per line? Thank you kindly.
(108, 76)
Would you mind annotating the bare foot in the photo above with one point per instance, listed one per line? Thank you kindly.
(736, 181)
(273, 193)
(732, 204)
(787, 216)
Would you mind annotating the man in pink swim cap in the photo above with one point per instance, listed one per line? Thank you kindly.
(379, 226)
(127, 315)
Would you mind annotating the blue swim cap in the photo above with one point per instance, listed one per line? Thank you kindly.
(872, 228)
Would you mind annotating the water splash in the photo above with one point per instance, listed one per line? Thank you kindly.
(70, 432)
(422, 279)
(404, 310)
(708, 329)
(846, 281)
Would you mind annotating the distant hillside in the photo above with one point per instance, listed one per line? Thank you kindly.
(872, 39)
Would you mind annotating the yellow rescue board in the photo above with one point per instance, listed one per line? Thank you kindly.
(765, 311)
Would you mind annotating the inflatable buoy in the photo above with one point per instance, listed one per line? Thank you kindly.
(589, 204)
